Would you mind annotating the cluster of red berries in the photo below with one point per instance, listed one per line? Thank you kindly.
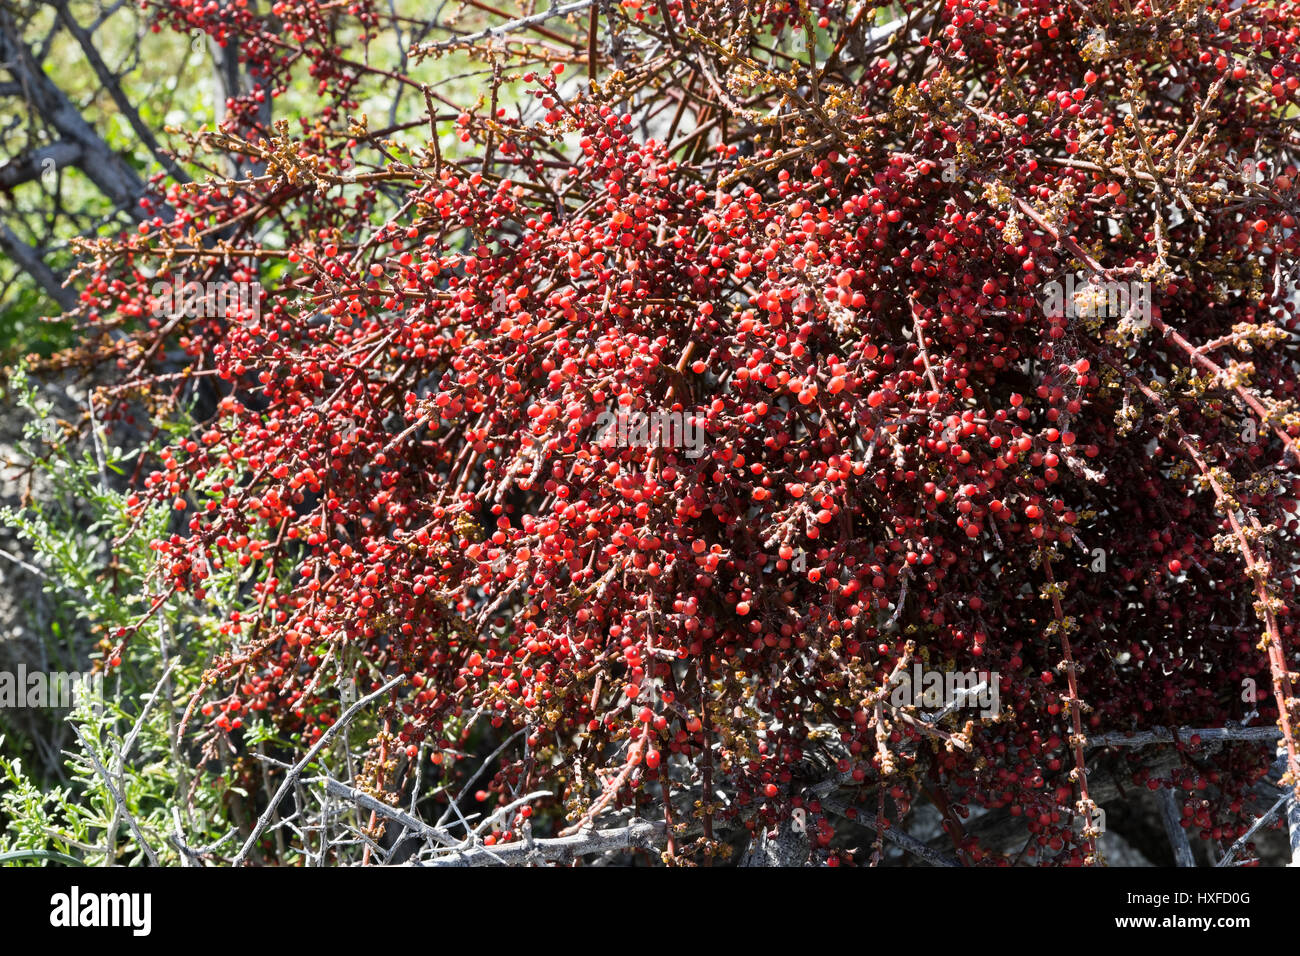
(902, 446)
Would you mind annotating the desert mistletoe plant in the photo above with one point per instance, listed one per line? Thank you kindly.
(832, 239)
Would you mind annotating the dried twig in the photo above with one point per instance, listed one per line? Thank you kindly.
(1172, 821)
(117, 797)
(291, 778)
(639, 834)
(1161, 735)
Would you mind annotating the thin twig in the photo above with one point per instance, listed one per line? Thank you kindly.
(640, 834)
(1161, 735)
(117, 797)
(264, 820)
(1174, 830)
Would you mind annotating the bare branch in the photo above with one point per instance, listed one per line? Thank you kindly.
(29, 260)
(117, 797)
(510, 26)
(29, 166)
(113, 87)
(296, 771)
(1174, 830)
(638, 835)
(1161, 735)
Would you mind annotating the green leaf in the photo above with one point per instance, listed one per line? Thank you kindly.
(19, 855)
